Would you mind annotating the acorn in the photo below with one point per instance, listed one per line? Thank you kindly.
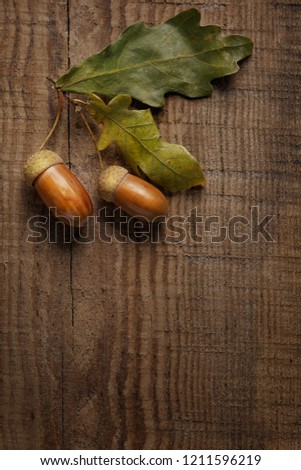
(134, 195)
(58, 187)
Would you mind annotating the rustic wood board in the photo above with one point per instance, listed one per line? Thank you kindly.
(168, 345)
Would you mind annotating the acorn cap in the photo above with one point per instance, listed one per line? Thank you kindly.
(39, 162)
(109, 180)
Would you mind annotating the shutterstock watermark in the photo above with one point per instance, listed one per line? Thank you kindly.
(114, 226)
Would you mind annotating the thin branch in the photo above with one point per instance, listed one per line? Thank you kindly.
(76, 100)
(75, 103)
(78, 110)
(51, 80)
(60, 98)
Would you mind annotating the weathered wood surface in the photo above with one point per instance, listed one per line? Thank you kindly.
(157, 346)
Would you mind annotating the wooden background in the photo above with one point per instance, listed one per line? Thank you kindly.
(165, 346)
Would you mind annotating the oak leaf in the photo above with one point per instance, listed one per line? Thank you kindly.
(136, 134)
(177, 56)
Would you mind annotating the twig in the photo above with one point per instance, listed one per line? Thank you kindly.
(75, 103)
(60, 98)
(79, 110)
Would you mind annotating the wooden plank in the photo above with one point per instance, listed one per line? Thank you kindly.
(186, 330)
(36, 277)
(168, 345)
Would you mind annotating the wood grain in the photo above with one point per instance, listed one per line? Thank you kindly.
(167, 345)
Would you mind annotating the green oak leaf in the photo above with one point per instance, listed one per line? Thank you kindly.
(146, 62)
(136, 134)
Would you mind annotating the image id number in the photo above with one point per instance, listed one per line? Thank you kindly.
(222, 459)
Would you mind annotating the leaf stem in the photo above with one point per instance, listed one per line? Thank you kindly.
(75, 103)
(79, 110)
(76, 100)
(60, 98)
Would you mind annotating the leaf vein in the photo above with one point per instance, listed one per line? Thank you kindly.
(150, 63)
(139, 142)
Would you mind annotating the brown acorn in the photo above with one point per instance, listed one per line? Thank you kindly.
(135, 196)
(58, 187)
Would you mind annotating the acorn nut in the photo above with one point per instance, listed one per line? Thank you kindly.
(58, 187)
(135, 196)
